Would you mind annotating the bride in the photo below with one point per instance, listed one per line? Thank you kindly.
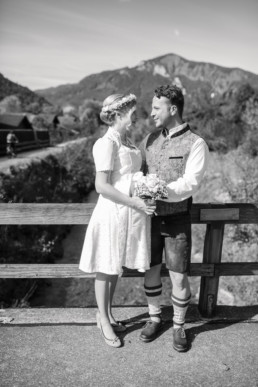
(119, 230)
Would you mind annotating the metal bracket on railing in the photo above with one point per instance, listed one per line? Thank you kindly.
(210, 304)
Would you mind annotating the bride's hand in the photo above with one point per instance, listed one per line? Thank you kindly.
(140, 205)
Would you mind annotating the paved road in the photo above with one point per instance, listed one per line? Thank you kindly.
(62, 353)
(27, 157)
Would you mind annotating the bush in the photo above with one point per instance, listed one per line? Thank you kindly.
(68, 179)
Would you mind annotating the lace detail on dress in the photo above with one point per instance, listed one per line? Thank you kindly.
(113, 135)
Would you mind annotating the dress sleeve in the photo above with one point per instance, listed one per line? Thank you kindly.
(104, 154)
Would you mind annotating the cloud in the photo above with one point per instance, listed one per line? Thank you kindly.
(176, 32)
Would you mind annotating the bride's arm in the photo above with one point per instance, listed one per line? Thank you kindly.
(104, 188)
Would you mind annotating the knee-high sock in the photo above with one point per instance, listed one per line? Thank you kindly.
(180, 307)
(153, 294)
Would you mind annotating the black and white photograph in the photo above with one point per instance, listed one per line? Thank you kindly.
(128, 193)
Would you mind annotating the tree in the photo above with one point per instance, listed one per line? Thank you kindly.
(33, 107)
(92, 104)
(69, 110)
(250, 146)
(244, 93)
(89, 113)
(40, 122)
(10, 104)
(50, 109)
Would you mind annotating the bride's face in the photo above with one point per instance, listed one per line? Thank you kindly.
(130, 119)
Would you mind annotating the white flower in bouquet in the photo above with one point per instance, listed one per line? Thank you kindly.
(149, 186)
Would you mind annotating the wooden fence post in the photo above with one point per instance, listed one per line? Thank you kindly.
(211, 254)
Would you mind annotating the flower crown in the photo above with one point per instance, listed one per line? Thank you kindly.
(118, 105)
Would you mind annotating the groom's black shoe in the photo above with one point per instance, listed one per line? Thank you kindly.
(150, 331)
(179, 340)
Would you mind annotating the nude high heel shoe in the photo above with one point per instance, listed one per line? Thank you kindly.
(98, 319)
(116, 343)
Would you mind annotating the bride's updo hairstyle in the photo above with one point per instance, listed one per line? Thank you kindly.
(116, 103)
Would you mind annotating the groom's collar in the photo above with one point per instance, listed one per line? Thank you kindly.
(177, 131)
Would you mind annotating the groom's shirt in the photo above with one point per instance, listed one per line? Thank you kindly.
(180, 157)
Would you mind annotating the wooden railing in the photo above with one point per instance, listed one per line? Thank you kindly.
(215, 216)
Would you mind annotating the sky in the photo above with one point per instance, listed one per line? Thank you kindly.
(45, 43)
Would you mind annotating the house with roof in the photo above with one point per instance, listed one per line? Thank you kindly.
(52, 120)
(45, 125)
(67, 126)
(23, 129)
(14, 121)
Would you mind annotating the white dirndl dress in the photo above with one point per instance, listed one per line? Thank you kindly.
(117, 235)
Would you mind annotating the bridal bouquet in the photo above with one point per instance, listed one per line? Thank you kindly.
(149, 186)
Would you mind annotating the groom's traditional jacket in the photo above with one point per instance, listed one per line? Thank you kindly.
(166, 155)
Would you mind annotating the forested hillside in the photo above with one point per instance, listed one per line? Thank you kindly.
(220, 103)
(25, 96)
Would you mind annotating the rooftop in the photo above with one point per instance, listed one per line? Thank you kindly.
(13, 120)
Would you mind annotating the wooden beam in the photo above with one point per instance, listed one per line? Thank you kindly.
(236, 268)
(72, 271)
(215, 215)
(80, 213)
(45, 213)
(196, 269)
(211, 254)
(248, 212)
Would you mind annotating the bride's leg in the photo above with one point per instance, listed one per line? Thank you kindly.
(112, 287)
(103, 300)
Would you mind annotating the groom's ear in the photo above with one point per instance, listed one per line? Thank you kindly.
(173, 110)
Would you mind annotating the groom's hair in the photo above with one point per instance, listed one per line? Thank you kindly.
(174, 94)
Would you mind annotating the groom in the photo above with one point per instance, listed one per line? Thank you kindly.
(179, 157)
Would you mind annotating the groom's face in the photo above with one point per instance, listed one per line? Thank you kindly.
(161, 111)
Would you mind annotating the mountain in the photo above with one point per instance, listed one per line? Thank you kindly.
(25, 95)
(221, 104)
(199, 81)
